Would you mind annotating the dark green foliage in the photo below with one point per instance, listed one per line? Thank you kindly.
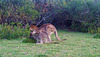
(97, 36)
(17, 11)
(29, 40)
(13, 32)
(83, 13)
(78, 26)
(97, 33)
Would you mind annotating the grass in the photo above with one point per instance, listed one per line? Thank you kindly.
(77, 45)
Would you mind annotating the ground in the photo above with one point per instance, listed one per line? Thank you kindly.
(77, 45)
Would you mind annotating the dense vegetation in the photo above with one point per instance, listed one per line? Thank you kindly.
(15, 12)
(13, 32)
(77, 15)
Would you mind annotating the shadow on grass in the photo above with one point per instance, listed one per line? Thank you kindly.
(41, 55)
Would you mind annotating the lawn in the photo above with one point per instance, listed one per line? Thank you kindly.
(77, 45)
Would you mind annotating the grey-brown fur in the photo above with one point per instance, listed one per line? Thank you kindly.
(44, 32)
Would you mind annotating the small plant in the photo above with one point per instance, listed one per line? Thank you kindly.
(29, 40)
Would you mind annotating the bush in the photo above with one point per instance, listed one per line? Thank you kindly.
(97, 33)
(17, 11)
(12, 32)
(97, 36)
(92, 29)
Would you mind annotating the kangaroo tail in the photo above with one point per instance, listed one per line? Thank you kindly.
(56, 34)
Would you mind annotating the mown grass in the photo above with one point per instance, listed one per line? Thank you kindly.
(77, 45)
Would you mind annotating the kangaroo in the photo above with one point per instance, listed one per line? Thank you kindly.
(43, 33)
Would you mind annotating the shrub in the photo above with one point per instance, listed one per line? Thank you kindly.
(92, 29)
(97, 33)
(13, 32)
(97, 36)
(17, 11)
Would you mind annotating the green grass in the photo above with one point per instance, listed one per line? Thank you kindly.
(77, 45)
